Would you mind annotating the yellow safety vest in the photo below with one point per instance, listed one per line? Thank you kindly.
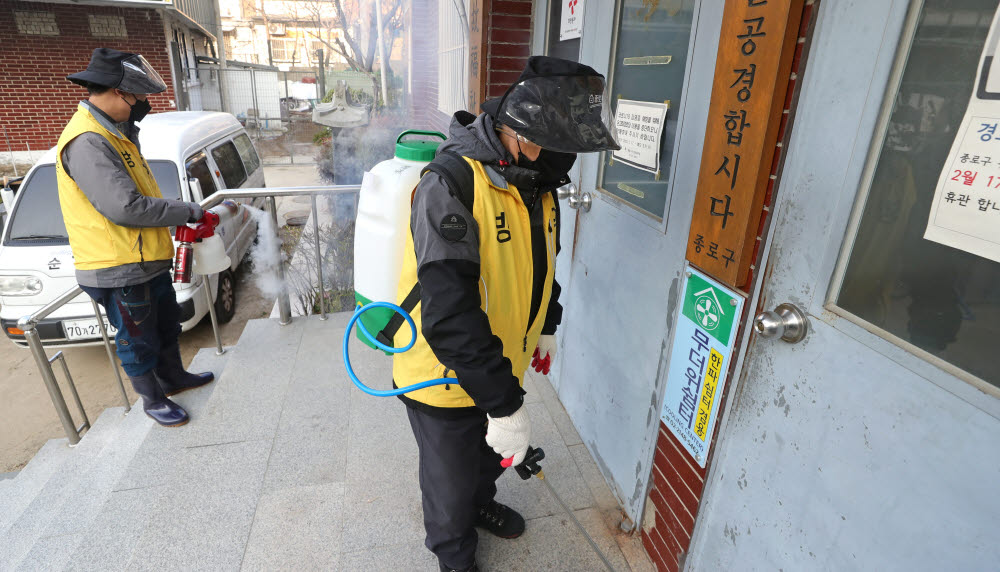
(96, 241)
(505, 286)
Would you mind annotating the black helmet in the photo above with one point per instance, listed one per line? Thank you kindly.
(559, 105)
(130, 73)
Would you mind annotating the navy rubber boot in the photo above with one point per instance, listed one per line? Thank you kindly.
(156, 404)
(174, 378)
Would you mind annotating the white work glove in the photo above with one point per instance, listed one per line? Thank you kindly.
(544, 354)
(509, 435)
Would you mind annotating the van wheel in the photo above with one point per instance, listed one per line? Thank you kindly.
(225, 299)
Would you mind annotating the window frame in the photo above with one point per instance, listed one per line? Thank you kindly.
(218, 168)
(838, 256)
(637, 213)
(192, 158)
(446, 101)
(256, 155)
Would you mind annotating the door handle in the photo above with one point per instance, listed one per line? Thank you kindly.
(577, 200)
(786, 321)
(566, 191)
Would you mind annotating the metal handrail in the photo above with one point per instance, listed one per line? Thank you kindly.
(28, 324)
(269, 194)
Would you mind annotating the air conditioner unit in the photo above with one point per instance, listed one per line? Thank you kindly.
(276, 28)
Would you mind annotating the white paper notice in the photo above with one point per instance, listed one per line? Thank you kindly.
(640, 127)
(571, 25)
(965, 213)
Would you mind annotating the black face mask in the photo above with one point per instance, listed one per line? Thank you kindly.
(139, 109)
(552, 165)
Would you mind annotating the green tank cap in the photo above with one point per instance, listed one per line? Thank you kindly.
(418, 149)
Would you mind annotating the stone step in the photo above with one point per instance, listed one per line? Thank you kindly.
(59, 538)
(125, 510)
(246, 403)
(20, 491)
(16, 540)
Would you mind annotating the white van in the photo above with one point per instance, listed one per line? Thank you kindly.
(192, 154)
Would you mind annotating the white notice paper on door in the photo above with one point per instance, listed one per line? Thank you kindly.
(965, 213)
(571, 25)
(640, 127)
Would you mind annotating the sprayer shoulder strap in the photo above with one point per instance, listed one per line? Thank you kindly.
(457, 172)
(461, 184)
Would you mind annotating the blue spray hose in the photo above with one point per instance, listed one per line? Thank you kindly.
(413, 338)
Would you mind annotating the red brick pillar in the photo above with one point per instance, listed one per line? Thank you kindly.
(508, 43)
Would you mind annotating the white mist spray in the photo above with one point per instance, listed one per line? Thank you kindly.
(266, 255)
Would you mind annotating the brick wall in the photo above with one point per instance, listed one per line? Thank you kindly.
(677, 482)
(508, 43)
(36, 100)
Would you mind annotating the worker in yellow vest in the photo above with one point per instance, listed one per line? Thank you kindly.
(117, 220)
(478, 276)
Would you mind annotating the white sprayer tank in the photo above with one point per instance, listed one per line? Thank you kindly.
(383, 221)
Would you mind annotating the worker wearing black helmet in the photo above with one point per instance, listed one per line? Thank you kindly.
(478, 277)
(117, 220)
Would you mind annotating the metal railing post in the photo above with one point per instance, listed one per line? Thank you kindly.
(72, 388)
(45, 368)
(284, 305)
(211, 313)
(111, 356)
(319, 259)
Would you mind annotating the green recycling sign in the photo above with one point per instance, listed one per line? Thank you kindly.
(709, 307)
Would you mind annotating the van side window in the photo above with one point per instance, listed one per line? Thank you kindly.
(227, 158)
(247, 152)
(197, 168)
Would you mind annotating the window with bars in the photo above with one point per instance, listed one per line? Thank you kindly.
(453, 57)
(284, 50)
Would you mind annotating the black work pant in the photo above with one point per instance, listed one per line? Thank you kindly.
(458, 473)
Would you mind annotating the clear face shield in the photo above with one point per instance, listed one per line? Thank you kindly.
(140, 77)
(568, 114)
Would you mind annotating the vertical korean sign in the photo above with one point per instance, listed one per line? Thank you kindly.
(704, 336)
(965, 213)
(751, 80)
(478, 11)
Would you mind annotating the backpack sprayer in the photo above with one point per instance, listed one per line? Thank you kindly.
(200, 250)
(380, 230)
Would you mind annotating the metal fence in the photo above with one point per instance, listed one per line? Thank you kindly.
(274, 106)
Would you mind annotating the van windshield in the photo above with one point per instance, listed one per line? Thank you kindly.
(37, 216)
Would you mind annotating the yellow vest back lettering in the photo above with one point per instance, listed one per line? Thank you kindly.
(505, 287)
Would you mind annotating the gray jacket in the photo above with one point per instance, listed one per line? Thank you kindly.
(98, 170)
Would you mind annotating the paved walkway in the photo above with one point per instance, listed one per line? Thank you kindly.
(286, 465)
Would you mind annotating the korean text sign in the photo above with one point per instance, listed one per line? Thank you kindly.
(965, 213)
(751, 81)
(639, 126)
(704, 336)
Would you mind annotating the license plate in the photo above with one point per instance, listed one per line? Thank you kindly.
(86, 329)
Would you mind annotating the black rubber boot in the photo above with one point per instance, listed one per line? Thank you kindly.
(474, 568)
(174, 378)
(500, 520)
(156, 404)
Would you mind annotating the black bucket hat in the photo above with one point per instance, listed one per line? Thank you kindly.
(558, 104)
(120, 70)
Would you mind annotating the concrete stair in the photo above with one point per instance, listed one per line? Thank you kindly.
(285, 465)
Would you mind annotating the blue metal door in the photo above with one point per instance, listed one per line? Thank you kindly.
(621, 260)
